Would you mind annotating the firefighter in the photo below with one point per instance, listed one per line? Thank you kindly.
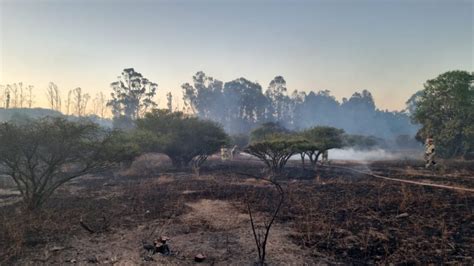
(429, 153)
(224, 154)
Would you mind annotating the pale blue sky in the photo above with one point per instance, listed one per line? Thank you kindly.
(388, 47)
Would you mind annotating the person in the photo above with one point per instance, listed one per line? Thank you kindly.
(224, 154)
(429, 152)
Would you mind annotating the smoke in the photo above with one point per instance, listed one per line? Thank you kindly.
(372, 155)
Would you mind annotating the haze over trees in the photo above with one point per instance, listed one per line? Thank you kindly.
(241, 105)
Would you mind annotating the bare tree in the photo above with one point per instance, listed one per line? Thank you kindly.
(169, 101)
(99, 105)
(53, 96)
(2, 96)
(79, 101)
(7, 97)
(69, 102)
(13, 89)
(260, 232)
(30, 96)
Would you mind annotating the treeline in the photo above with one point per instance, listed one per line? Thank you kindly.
(241, 105)
(56, 150)
(76, 103)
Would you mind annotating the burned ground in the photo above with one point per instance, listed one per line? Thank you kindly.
(333, 215)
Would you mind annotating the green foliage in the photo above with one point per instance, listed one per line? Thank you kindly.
(183, 138)
(445, 109)
(275, 151)
(132, 95)
(324, 137)
(266, 131)
(41, 155)
(318, 140)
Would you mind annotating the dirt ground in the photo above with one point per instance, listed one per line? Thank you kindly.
(329, 216)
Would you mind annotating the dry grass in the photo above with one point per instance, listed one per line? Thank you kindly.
(331, 217)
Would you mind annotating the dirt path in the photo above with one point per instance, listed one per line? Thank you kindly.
(406, 181)
(236, 243)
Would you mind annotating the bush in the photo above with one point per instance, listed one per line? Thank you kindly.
(186, 140)
(42, 155)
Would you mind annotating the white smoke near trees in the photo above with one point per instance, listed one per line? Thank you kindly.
(373, 154)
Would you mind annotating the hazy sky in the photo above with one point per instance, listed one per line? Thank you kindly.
(388, 47)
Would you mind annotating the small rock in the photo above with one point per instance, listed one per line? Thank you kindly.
(403, 215)
(73, 261)
(199, 258)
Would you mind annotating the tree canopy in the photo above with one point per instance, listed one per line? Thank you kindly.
(445, 109)
(185, 139)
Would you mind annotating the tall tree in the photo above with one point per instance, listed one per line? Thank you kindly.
(132, 95)
(204, 96)
(53, 96)
(243, 105)
(446, 111)
(30, 96)
(169, 101)
(277, 94)
(80, 101)
(99, 105)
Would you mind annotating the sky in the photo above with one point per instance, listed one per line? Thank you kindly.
(387, 47)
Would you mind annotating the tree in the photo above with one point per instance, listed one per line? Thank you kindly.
(132, 95)
(274, 151)
(99, 105)
(6, 97)
(80, 101)
(169, 101)
(186, 140)
(30, 99)
(277, 94)
(53, 96)
(267, 131)
(320, 139)
(445, 111)
(204, 97)
(243, 105)
(42, 155)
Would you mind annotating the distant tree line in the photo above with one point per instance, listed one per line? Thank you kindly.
(443, 109)
(241, 105)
